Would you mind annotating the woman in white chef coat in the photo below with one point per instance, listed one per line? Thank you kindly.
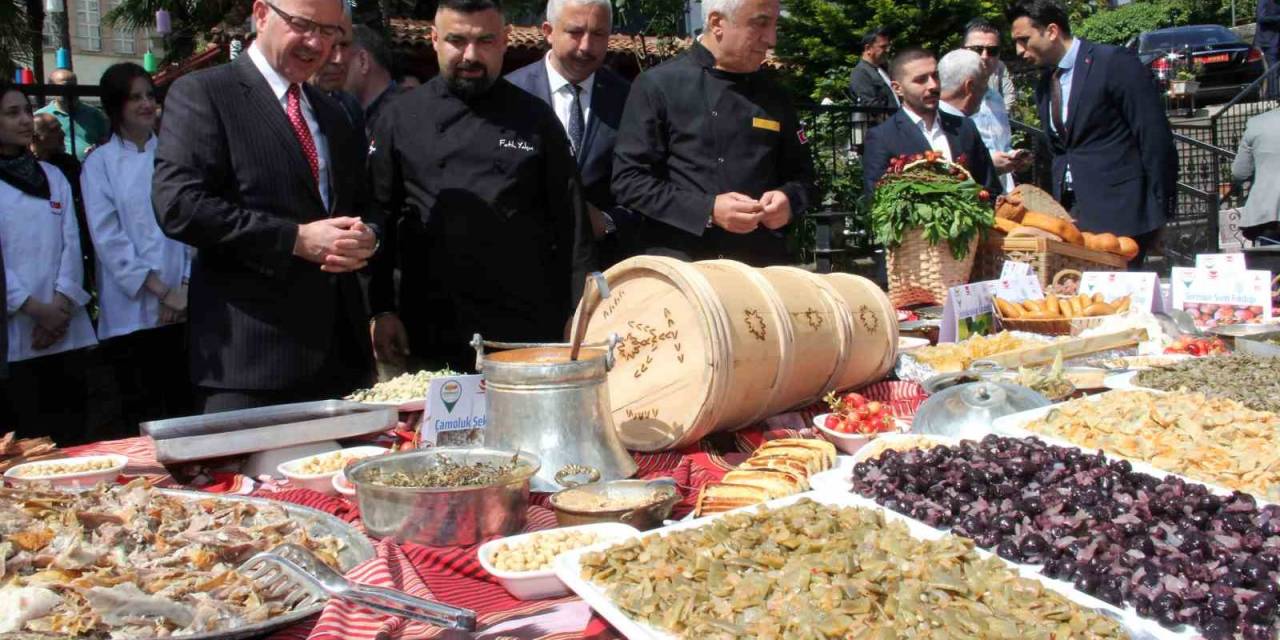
(142, 274)
(44, 285)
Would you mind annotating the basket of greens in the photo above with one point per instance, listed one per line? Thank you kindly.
(927, 213)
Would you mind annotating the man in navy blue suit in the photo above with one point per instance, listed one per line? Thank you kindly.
(1114, 165)
(588, 99)
(919, 126)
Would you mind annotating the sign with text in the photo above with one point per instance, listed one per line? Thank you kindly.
(968, 310)
(1224, 262)
(1142, 288)
(1214, 298)
(454, 403)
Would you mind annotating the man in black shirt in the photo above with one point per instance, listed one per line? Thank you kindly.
(488, 169)
(710, 150)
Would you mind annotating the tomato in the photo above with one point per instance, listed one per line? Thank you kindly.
(832, 422)
(854, 401)
(984, 195)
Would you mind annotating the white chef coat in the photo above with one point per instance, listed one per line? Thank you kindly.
(116, 183)
(41, 243)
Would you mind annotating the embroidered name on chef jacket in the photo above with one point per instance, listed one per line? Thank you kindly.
(517, 144)
(55, 207)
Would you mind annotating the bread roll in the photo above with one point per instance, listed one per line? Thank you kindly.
(1108, 242)
(1128, 247)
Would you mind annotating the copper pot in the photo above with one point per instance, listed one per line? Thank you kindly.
(649, 515)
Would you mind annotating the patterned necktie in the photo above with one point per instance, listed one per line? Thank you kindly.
(301, 130)
(1055, 102)
(576, 126)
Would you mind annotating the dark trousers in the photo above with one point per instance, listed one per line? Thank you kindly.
(47, 396)
(150, 370)
(347, 367)
(1146, 241)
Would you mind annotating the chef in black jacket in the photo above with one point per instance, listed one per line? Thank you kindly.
(487, 166)
(710, 150)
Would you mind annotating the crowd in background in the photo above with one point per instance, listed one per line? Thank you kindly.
(300, 214)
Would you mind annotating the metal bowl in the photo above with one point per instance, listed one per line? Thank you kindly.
(443, 516)
(644, 517)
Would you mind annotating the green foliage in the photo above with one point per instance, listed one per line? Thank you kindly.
(926, 197)
(192, 21)
(662, 18)
(1119, 25)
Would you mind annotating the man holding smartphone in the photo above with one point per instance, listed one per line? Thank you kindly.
(992, 119)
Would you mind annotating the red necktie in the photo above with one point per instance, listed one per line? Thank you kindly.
(301, 130)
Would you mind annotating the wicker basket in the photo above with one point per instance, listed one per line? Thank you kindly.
(1048, 326)
(1047, 257)
(920, 273)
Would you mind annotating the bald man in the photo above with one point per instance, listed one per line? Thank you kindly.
(83, 126)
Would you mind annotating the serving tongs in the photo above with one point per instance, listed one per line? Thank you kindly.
(298, 577)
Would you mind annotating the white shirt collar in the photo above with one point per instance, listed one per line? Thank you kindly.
(129, 146)
(1068, 60)
(279, 85)
(943, 105)
(559, 82)
(919, 121)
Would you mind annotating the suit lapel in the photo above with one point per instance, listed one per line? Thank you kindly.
(1079, 75)
(258, 94)
(951, 129)
(331, 123)
(911, 131)
(598, 92)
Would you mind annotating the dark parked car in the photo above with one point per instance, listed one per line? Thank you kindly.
(1229, 63)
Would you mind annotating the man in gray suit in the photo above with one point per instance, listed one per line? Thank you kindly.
(1259, 155)
(588, 99)
(869, 83)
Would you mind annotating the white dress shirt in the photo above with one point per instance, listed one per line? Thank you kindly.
(562, 96)
(993, 125)
(41, 243)
(936, 137)
(280, 86)
(116, 183)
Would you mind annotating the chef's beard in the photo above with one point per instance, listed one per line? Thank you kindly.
(469, 88)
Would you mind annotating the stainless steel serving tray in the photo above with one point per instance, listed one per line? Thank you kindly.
(356, 549)
(1259, 344)
(232, 433)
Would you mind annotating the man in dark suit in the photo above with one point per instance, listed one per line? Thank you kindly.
(332, 77)
(265, 176)
(1266, 38)
(919, 127)
(1114, 164)
(578, 31)
(869, 84)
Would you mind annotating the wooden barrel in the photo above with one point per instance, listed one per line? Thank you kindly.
(872, 331)
(679, 375)
(815, 332)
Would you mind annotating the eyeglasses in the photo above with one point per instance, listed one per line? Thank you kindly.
(307, 27)
(993, 51)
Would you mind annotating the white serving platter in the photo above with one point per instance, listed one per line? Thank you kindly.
(568, 568)
(1014, 426)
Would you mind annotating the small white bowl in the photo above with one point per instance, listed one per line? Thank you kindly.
(539, 585)
(911, 343)
(850, 442)
(322, 482)
(80, 479)
(342, 485)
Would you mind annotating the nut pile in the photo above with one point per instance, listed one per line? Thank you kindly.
(537, 552)
(64, 467)
(812, 571)
(1213, 440)
(1169, 548)
(1250, 380)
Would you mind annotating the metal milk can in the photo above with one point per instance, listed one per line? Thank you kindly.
(539, 400)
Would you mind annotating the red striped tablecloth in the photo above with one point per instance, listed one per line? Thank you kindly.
(454, 576)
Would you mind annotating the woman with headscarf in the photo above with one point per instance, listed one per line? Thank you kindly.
(142, 274)
(49, 329)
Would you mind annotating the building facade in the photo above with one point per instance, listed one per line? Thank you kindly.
(95, 45)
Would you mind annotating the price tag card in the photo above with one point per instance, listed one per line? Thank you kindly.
(969, 308)
(453, 404)
(1142, 288)
(1015, 269)
(1223, 262)
(1213, 298)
